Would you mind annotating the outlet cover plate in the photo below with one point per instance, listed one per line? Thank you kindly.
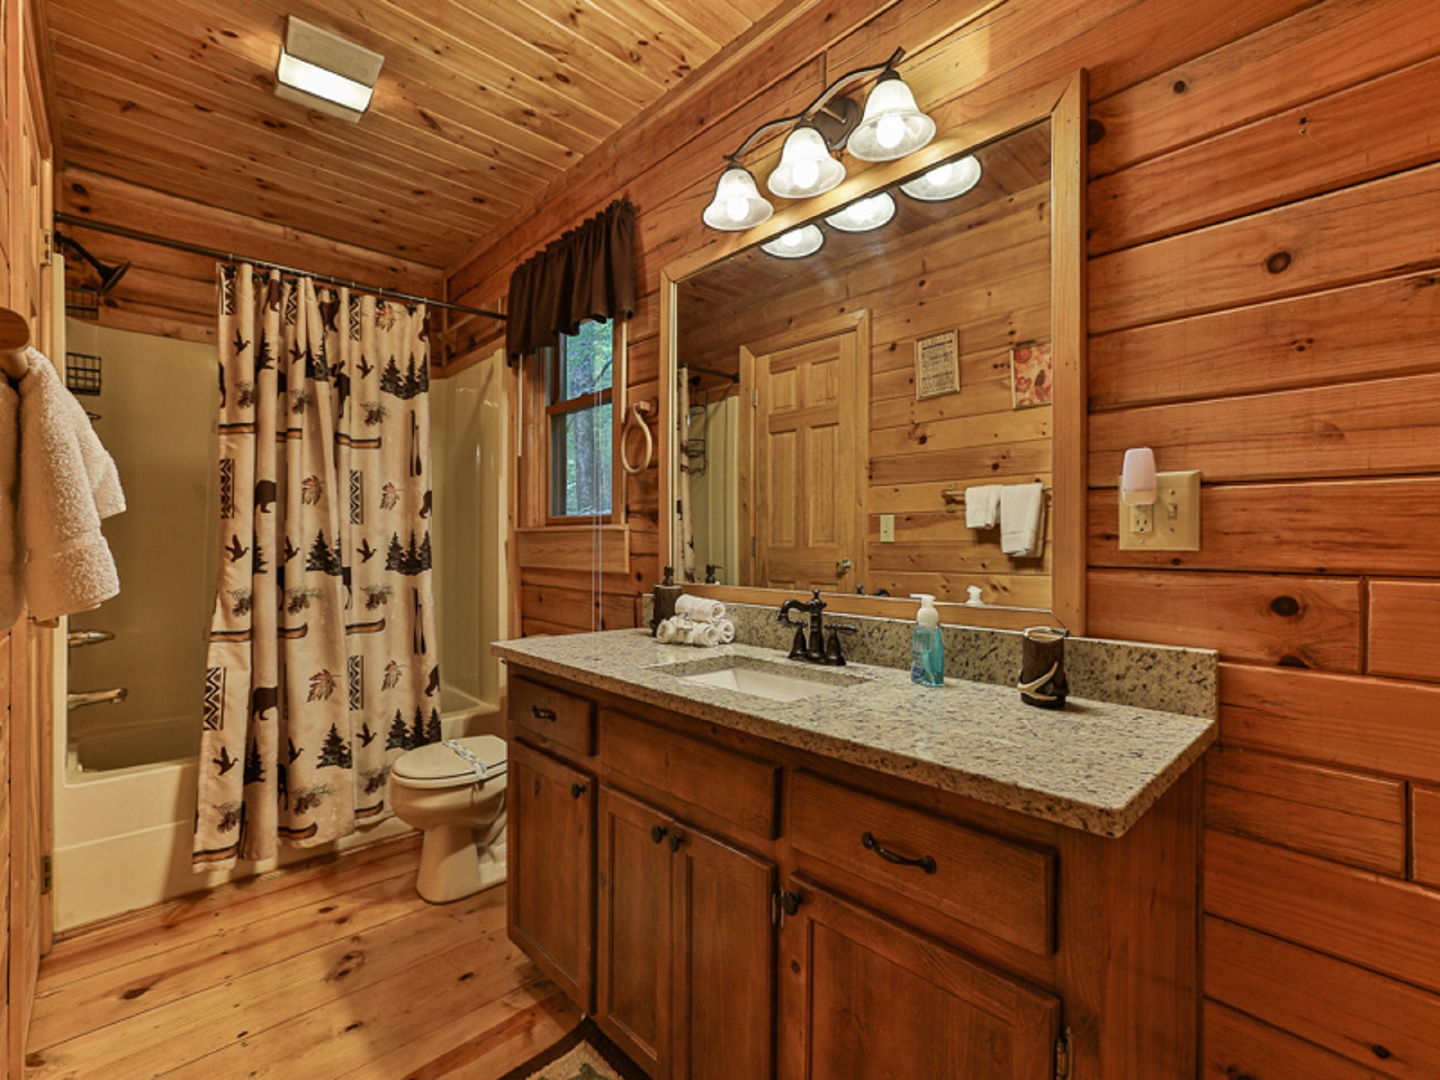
(1172, 523)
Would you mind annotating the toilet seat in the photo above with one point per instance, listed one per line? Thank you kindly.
(438, 766)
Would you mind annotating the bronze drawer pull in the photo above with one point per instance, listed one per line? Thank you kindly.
(542, 714)
(576, 790)
(925, 862)
(676, 839)
(657, 833)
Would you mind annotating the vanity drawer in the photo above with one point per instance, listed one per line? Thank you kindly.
(737, 789)
(554, 717)
(1000, 887)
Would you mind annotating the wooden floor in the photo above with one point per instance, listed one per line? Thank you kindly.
(333, 970)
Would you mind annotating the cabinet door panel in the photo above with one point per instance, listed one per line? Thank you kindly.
(725, 961)
(633, 999)
(868, 999)
(551, 868)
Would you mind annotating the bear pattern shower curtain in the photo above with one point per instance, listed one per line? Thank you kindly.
(322, 663)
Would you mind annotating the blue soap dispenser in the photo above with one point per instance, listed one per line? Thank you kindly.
(927, 650)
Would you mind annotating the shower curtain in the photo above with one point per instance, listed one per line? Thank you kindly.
(322, 663)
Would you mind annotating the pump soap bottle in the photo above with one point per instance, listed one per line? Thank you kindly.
(927, 650)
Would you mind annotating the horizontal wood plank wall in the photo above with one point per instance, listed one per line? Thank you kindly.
(1263, 307)
(172, 293)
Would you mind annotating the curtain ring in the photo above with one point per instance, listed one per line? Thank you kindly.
(636, 417)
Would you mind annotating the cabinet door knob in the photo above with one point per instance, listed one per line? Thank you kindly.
(542, 714)
(789, 902)
(925, 862)
(657, 833)
(576, 790)
(676, 839)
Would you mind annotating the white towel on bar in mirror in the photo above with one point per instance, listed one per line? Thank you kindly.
(982, 506)
(1022, 520)
(699, 609)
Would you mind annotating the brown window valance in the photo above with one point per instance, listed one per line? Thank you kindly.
(588, 273)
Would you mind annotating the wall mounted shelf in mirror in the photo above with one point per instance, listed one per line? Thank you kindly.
(821, 414)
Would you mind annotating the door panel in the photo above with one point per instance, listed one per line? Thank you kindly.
(869, 999)
(725, 961)
(551, 871)
(634, 989)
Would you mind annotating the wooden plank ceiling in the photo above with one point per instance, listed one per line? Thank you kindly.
(478, 108)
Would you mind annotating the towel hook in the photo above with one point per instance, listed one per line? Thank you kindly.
(14, 337)
(636, 417)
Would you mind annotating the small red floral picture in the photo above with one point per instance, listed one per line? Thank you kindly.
(1032, 375)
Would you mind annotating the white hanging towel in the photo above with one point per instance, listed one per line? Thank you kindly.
(1022, 520)
(982, 506)
(12, 585)
(699, 609)
(68, 483)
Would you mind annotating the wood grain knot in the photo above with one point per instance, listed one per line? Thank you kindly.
(1094, 131)
(1380, 1051)
(1179, 86)
(135, 992)
(1285, 605)
(1291, 660)
(1278, 263)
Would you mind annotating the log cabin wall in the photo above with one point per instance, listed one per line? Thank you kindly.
(1264, 254)
(172, 293)
(26, 154)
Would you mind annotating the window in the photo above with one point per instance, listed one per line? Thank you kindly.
(578, 408)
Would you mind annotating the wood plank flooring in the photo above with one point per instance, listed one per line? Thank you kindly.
(336, 969)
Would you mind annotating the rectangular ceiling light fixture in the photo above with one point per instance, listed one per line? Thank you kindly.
(323, 71)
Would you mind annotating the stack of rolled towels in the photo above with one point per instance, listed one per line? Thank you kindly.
(697, 621)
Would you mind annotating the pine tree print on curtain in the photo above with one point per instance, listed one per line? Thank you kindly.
(323, 634)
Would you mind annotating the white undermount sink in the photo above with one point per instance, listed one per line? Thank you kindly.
(777, 680)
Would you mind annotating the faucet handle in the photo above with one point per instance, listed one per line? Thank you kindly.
(797, 644)
(834, 656)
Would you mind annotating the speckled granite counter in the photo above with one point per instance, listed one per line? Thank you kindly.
(1094, 765)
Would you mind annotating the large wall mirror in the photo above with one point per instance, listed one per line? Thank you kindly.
(825, 413)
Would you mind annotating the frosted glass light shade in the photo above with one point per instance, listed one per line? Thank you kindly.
(806, 166)
(864, 215)
(795, 244)
(892, 125)
(1137, 479)
(947, 181)
(737, 205)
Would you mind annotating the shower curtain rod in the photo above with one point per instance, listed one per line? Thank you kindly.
(196, 249)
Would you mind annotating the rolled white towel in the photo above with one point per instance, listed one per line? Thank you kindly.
(666, 632)
(727, 631)
(706, 635)
(699, 609)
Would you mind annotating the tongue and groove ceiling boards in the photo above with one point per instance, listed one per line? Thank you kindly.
(479, 106)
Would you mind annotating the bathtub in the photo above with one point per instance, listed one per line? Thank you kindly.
(123, 831)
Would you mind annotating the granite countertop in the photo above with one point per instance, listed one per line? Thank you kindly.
(1096, 766)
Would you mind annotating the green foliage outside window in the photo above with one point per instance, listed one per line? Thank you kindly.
(580, 423)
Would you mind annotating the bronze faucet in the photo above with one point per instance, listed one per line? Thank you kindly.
(817, 650)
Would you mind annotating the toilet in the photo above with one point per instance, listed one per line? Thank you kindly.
(454, 791)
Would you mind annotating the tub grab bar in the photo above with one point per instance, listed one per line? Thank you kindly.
(113, 696)
(78, 638)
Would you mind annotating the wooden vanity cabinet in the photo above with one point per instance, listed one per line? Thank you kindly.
(685, 944)
(920, 933)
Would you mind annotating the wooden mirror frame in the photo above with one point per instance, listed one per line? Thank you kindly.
(1063, 104)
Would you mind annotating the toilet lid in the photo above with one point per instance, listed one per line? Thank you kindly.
(438, 762)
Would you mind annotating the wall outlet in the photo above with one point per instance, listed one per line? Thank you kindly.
(1171, 523)
(887, 528)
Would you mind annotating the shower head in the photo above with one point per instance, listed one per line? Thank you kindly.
(109, 275)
